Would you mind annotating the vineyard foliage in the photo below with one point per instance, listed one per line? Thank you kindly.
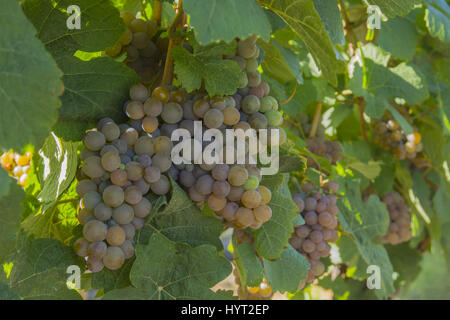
(366, 110)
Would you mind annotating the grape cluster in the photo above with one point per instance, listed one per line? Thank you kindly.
(319, 145)
(400, 219)
(390, 136)
(18, 166)
(319, 210)
(144, 49)
(120, 166)
(261, 292)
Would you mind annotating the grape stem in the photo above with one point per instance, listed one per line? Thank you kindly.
(316, 119)
(173, 40)
(157, 12)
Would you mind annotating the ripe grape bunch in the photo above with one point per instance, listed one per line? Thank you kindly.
(120, 166)
(318, 209)
(390, 136)
(400, 219)
(261, 292)
(18, 166)
(144, 49)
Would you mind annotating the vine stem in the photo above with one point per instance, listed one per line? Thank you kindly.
(361, 116)
(316, 119)
(157, 12)
(168, 67)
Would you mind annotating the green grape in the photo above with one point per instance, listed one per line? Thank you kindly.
(91, 199)
(213, 118)
(221, 188)
(251, 199)
(216, 203)
(134, 171)
(235, 193)
(231, 116)
(200, 107)
(110, 161)
(274, 118)
(133, 195)
(150, 124)
(163, 144)
(113, 196)
(102, 212)
(252, 183)
(268, 103)
(130, 231)
(127, 248)
(135, 110)
(244, 217)
(144, 145)
(258, 121)
(172, 113)
(115, 236)
(143, 208)
(152, 174)
(266, 194)
(111, 131)
(123, 214)
(94, 231)
(94, 140)
(119, 177)
(161, 187)
(81, 247)
(153, 107)
(114, 258)
(262, 213)
(250, 104)
(84, 186)
(237, 176)
(97, 250)
(162, 161)
(138, 92)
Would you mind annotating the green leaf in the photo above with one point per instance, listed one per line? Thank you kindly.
(392, 8)
(286, 273)
(11, 199)
(215, 20)
(182, 221)
(399, 37)
(58, 166)
(39, 270)
(29, 82)
(366, 221)
(165, 270)
(303, 18)
(273, 236)
(250, 269)
(221, 77)
(437, 17)
(332, 20)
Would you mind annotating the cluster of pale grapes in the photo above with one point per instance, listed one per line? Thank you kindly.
(400, 219)
(143, 48)
(390, 136)
(319, 210)
(120, 165)
(261, 292)
(319, 144)
(232, 191)
(18, 166)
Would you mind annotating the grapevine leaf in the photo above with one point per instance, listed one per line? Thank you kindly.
(303, 18)
(39, 270)
(250, 269)
(399, 37)
(273, 236)
(286, 273)
(437, 17)
(29, 83)
(221, 77)
(58, 167)
(214, 20)
(165, 270)
(11, 198)
(392, 8)
(182, 221)
(366, 221)
(332, 20)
